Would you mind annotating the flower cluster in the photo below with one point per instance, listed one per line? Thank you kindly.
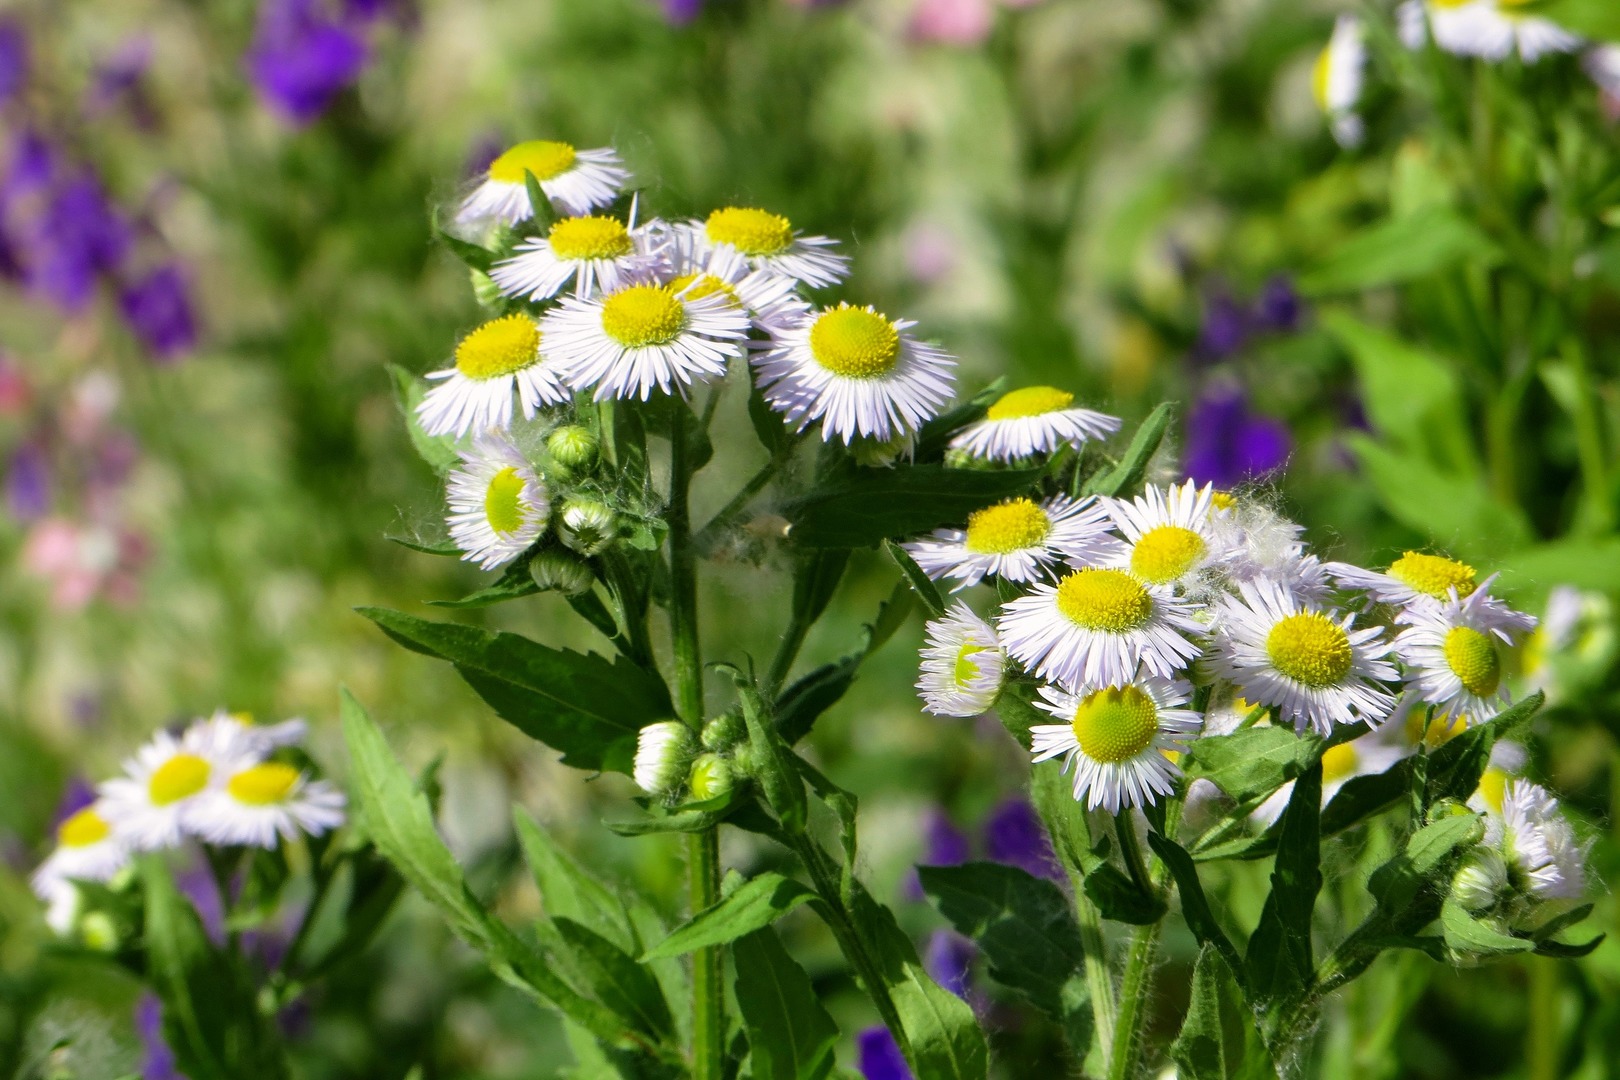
(223, 781)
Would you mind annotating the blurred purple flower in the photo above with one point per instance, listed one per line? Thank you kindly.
(79, 236)
(13, 59)
(196, 883)
(879, 1055)
(1227, 443)
(118, 82)
(681, 12)
(30, 165)
(158, 310)
(1225, 327)
(946, 845)
(483, 151)
(1013, 834)
(28, 482)
(301, 58)
(157, 1060)
(1278, 308)
(949, 961)
(78, 794)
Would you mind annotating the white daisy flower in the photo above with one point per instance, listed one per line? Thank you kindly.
(1451, 655)
(1490, 29)
(259, 802)
(1367, 755)
(663, 752)
(1167, 532)
(1337, 79)
(87, 849)
(498, 505)
(696, 268)
(1411, 578)
(1308, 663)
(857, 372)
(1253, 541)
(962, 664)
(1602, 63)
(1543, 857)
(1032, 420)
(476, 394)
(1096, 627)
(593, 252)
(641, 336)
(150, 805)
(769, 242)
(234, 733)
(1118, 739)
(576, 182)
(1018, 539)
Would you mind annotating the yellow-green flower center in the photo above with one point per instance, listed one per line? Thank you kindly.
(83, 829)
(263, 785)
(1011, 526)
(1493, 788)
(1165, 553)
(749, 230)
(547, 160)
(967, 668)
(1029, 401)
(1320, 74)
(499, 347)
(181, 777)
(1339, 762)
(855, 343)
(1311, 649)
(1222, 500)
(643, 315)
(503, 502)
(1473, 658)
(697, 286)
(1108, 600)
(579, 238)
(1432, 575)
(1115, 724)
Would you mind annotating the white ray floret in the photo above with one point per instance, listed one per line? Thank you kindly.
(1018, 539)
(1489, 29)
(1116, 739)
(1337, 80)
(962, 664)
(498, 504)
(234, 733)
(1168, 533)
(261, 803)
(1032, 420)
(1451, 655)
(87, 849)
(590, 252)
(768, 242)
(1544, 858)
(856, 371)
(150, 806)
(574, 181)
(475, 394)
(696, 268)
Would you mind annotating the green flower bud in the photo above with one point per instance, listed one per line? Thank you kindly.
(710, 778)
(881, 455)
(98, 932)
(587, 526)
(724, 732)
(563, 571)
(1481, 880)
(572, 447)
(663, 751)
(485, 291)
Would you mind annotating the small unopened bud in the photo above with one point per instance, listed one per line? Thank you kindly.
(662, 753)
(561, 570)
(586, 525)
(1481, 880)
(710, 777)
(875, 454)
(572, 447)
(724, 732)
(485, 291)
(98, 932)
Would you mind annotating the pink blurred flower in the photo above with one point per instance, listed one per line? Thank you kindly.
(952, 22)
(82, 562)
(15, 391)
(930, 251)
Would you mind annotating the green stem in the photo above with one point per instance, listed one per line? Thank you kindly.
(708, 989)
(1589, 442)
(1130, 849)
(1541, 1041)
(707, 535)
(786, 653)
(1098, 981)
(1133, 991)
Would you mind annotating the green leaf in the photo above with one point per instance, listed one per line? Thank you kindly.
(1218, 1039)
(753, 906)
(1586, 564)
(1451, 510)
(775, 762)
(874, 505)
(620, 983)
(790, 1034)
(515, 582)
(1252, 763)
(1598, 19)
(1126, 477)
(815, 580)
(1115, 895)
(1194, 904)
(921, 583)
(1397, 884)
(472, 256)
(439, 451)
(539, 205)
(803, 702)
(1402, 249)
(567, 890)
(1455, 769)
(581, 704)
(1476, 937)
(1278, 962)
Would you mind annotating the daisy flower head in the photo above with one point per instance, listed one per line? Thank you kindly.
(1167, 532)
(1415, 577)
(1311, 664)
(87, 849)
(1032, 420)
(696, 268)
(1544, 859)
(593, 251)
(1337, 80)
(150, 806)
(1254, 541)
(498, 504)
(856, 371)
(1097, 627)
(962, 664)
(575, 181)
(476, 393)
(230, 733)
(1489, 29)
(1367, 755)
(1451, 653)
(261, 802)
(644, 335)
(663, 753)
(1018, 539)
(769, 242)
(1116, 738)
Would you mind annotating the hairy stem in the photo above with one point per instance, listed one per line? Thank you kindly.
(1133, 991)
(1098, 981)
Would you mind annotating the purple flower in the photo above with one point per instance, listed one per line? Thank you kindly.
(301, 58)
(879, 1055)
(1014, 834)
(157, 1060)
(196, 883)
(1225, 327)
(78, 794)
(79, 236)
(29, 168)
(1278, 308)
(947, 846)
(13, 60)
(118, 82)
(949, 961)
(158, 310)
(28, 482)
(1227, 443)
(681, 12)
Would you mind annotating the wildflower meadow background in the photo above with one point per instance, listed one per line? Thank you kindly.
(805, 538)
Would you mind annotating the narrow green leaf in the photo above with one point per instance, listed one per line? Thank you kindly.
(1476, 937)
(439, 451)
(753, 906)
(1252, 763)
(1194, 904)
(921, 583)
(622, 984)
(874, 505)
(790, 1034)
(1279, 962)
(1126, 477)
(777, 765)
(1455, 768)
(1218, 1039)
(1421, 496)
(513, 584)
(1398, 250)
(803, 702)
(1115, 895)
(567, 890)
(1397, 883)
(472, 256)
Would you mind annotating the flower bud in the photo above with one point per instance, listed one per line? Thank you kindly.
(710, 778)
(485, 291)
(875, 454)
(662, 753)
(1481, 881)
(587, 526)
(572, 447)
(98, 932)
(724, 732)
(563, 571)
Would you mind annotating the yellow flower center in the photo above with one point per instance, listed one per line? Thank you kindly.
(1106, 600)
(1338, 762)
(855, 343)
(263, 785)
(1165, 553)
(1029, 401)
(1115, 724)
(499, 347)
(1311, 649)
(1473, 658)
(181, 777)
(697, 286)
(579, 238)
(750, 231)
(643, 315)
(1222, 500)
(83, 829)
(1011, 526)
(547, 160)
(503, 506)
(1320, 74)
(1493, 788)
(967, 668)
(1432, 575)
